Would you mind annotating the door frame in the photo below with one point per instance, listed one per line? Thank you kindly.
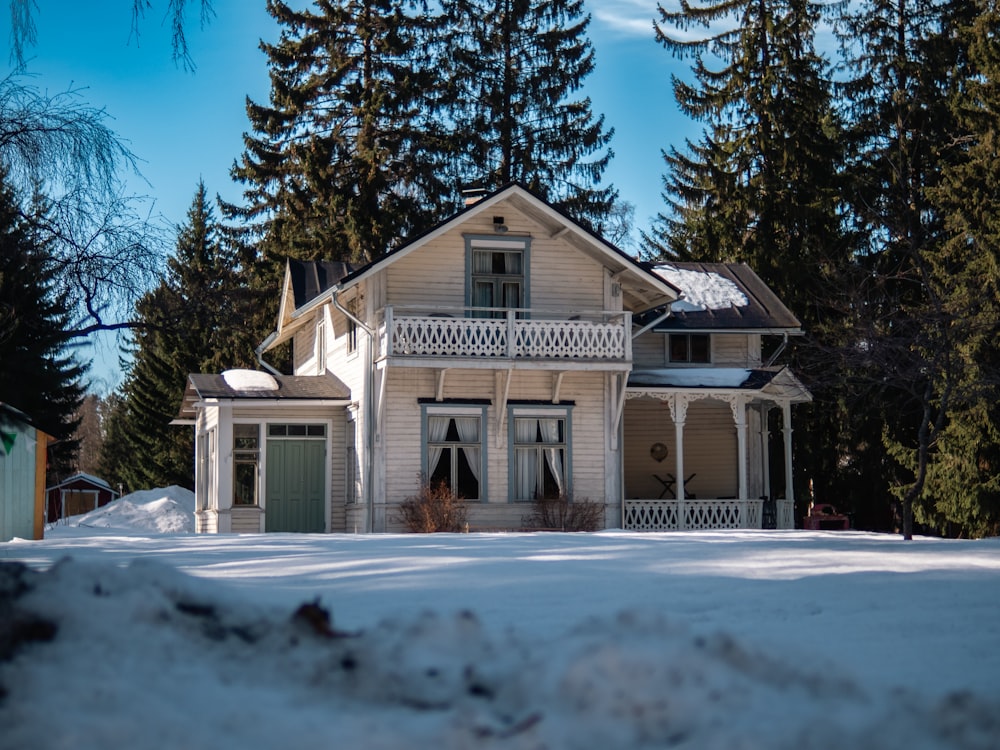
(262, 467)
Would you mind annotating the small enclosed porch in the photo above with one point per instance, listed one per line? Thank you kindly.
(709, 448)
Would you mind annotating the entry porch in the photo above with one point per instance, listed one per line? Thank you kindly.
(709, 449)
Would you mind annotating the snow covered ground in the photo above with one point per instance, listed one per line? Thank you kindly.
(114, 635)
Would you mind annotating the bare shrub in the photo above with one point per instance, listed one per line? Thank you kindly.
(563, 513)
(434, 508)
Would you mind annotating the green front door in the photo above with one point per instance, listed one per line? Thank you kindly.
(295, 486)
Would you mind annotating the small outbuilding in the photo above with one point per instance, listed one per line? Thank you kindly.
(23, 452)
(80, 493)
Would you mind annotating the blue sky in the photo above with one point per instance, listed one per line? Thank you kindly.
(187, 126)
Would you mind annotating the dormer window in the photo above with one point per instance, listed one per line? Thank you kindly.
(497, 275)
(689, 348)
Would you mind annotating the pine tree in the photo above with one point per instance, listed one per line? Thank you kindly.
(38, 374)
(188, 324)
(963, 483)
(343, 160)
(900, 54)
(761, 185)
(515, 69)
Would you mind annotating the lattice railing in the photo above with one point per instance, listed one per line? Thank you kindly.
(677, 515)
(569, 338)
(444, 335)
(786, 514)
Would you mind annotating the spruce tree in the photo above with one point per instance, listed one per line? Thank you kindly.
(963, 483)
(187, 325)
(342, 161)
(515, 69)
(38, 373)
(900, 55)
(761, 185)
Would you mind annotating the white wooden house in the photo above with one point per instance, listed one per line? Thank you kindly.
(509, 352)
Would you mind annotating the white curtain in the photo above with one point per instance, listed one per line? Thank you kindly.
(437, 429)
(526, 463)
(468, 432)
(550, 434)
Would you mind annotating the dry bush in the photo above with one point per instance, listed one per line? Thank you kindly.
(435, 508)
(563, 513)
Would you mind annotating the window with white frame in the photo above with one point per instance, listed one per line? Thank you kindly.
(352, 327)
(497, 275)
(246, 463)
(454, 450)
(539, 455)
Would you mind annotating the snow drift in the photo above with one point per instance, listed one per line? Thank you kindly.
(93, 656)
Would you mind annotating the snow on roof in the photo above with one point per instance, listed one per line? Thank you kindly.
(703, 290)
(81, 475)
(708, 377)
(250, 380)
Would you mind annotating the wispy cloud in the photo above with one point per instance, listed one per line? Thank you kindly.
(627, 17)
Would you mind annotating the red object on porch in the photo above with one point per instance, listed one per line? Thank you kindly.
(824, 517)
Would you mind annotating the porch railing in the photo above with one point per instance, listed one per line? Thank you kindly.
(517, 334)
(680, 515)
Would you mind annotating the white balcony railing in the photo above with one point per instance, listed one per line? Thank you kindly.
(518, 334)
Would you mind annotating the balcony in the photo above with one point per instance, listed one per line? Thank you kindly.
(490, 334)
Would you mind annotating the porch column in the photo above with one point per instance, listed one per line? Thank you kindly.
(765, 452)
(678, 413)
(786, 413)
(738, 405)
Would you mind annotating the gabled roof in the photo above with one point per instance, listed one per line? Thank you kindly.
(311, 278)
(82, 477)
(201, 387)
(642, 289)
(726, 296)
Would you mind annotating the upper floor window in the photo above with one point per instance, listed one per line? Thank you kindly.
(352, 327)
(689, 347)
(497, 275)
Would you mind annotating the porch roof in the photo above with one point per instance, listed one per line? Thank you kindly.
(768, 382)
(286, 388)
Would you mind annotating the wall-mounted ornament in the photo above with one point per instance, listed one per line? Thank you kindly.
(658, 451)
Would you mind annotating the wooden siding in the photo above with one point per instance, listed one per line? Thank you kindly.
(402, 434)
(709, 448)
(245, 520)
(730, 350)
(338, 461)
(435, 273)
(649, 350)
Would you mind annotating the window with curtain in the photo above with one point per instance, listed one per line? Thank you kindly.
(454, 453)
(539, 469)
(497, 281)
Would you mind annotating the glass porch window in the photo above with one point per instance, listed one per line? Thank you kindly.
(539, 458)
(246, 462)
(454, 454)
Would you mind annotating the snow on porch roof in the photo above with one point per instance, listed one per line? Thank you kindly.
(288, 388)
(776, 382)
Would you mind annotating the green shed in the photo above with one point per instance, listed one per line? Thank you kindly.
(22, 476)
